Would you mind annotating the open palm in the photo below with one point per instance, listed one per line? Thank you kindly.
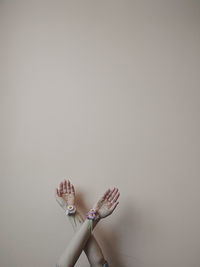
(106, 205)
(65, 194)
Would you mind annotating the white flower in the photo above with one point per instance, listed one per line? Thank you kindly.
(92, 211)
(92, 214)
(71, 209)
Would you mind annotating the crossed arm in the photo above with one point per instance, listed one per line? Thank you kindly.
(83, 238)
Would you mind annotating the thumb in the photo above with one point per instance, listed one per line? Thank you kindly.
(114, 206)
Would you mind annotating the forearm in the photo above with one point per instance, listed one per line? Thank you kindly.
(103, 208)
(77, 244)
(92, 248)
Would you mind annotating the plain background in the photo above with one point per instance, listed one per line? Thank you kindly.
(105, 93)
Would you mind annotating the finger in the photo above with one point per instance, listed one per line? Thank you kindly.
(58, 193)
(116, 198)
(105, 194)
(110, 193)
(73, 191)
(65, 186)
(114, 206)
(68, 186)
(61, 187)
(114, 194)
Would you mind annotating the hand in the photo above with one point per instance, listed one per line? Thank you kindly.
(65, 194)
(107, 204)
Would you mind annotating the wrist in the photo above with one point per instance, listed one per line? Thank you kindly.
(93, 214)
(93, 218)
(70, 209)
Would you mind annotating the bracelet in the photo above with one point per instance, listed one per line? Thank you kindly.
(70, 209)
(93, 214)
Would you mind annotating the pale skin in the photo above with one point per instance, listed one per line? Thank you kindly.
(83, 238)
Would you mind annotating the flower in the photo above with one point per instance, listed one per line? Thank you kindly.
(92, 214)
(71, 209)
(92, 211)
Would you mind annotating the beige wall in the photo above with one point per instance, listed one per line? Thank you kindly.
(107, 93)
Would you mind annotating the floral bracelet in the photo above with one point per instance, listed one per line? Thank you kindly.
(93, 214)
(70, 209)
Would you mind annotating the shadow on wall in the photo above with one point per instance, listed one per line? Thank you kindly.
(134, 227)
(143, 232)
(111, 239)
(118, 234)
